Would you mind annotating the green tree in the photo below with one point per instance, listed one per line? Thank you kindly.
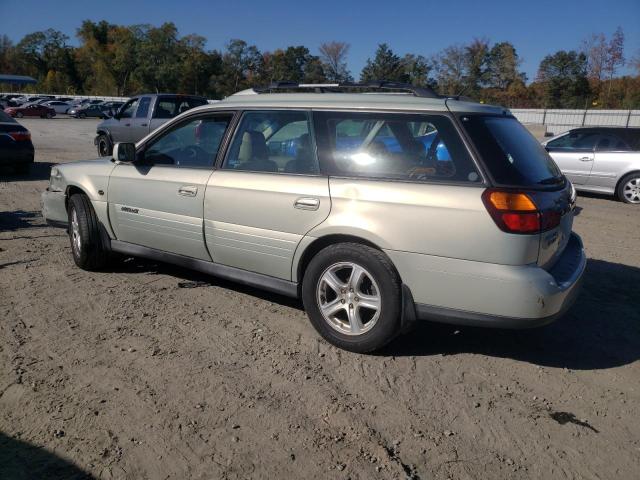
(502, 66)
(386, 65)
(563, 76)
(241, 67)
(417, 70)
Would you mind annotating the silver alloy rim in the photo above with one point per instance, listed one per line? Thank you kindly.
(349, 298)
(75, 232)
(631, 190)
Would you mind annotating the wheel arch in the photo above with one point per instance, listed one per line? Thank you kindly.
(72, 190)
(322, 242)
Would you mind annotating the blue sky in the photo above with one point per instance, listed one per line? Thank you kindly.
(535, 27)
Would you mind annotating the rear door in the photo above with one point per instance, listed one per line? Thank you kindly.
(157, 202)
(574, 154)
(267, 194)
(614, 154)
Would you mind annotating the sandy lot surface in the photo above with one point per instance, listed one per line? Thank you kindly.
(147, 371)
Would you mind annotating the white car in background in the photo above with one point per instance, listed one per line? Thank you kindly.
(58, 106)
(600, 159)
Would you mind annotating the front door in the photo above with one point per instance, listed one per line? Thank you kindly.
(574, 154)
(157, 201)
(121, 130)
(140, 121)
(267, 195)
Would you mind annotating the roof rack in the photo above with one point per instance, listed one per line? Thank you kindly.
(425, 92)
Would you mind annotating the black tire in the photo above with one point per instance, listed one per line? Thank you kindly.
(19, 114)
(378, 265)
(620, 190)
(90, 253)
(49, 115)
(82, 115)
(22, 169)
(105, 148)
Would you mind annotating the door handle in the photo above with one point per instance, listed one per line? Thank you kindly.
(307, 203)
(188, 191)
(143, 125)
(585, 159)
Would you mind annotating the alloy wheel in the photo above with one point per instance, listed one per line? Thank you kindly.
(631, 190)
(75, 233)
(349, 298)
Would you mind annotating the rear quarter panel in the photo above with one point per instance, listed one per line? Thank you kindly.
(439, 220)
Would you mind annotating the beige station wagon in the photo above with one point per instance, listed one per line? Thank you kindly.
(377, 208)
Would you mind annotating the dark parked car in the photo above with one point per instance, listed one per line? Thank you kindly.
(16, 149)
(31, 111)
(84, 111)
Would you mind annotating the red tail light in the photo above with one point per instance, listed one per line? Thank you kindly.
(20, 136)
(516, 212)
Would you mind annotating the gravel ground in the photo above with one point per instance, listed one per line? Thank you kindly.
(148, 371)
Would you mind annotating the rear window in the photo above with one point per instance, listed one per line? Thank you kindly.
(512, 155)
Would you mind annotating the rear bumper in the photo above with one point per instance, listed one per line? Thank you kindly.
(472, 293)
(54, 209)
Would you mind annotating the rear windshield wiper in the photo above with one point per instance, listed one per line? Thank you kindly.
(550, 180)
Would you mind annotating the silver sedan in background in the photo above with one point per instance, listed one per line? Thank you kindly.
(600, 159)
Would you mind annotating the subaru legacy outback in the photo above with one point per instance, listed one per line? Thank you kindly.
(377, 209)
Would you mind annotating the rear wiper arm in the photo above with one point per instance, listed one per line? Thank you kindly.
(550, 180)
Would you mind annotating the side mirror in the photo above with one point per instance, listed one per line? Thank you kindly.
(124, 152)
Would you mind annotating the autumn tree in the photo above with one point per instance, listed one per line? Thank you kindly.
(333, 56)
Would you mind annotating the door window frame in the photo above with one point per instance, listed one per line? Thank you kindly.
(171, 125)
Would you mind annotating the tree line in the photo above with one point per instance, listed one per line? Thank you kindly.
(123, 60)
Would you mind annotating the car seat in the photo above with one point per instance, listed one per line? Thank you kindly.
(304, 161)
(253, 154)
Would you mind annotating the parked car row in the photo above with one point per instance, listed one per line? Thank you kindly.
(16, 148)
(17, 106)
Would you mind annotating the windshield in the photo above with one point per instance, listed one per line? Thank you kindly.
(512, 155)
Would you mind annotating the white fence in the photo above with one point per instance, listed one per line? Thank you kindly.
(558, 121)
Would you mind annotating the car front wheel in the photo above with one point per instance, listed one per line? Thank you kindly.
(104, 146)
(352, 294)
(89, 252)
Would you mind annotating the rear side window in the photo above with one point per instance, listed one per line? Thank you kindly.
(393, 146)
(169, 107)
(512, 155)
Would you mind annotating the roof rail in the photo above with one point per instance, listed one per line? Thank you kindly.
(425, 92)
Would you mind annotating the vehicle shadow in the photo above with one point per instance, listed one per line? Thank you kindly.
(22, 461)
(38, 171)
(601, 330)
(19, 219)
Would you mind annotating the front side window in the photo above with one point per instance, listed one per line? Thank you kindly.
(129, 108)
(582, 140)
(194, 143)
(143, 108)
(277, 141)
(393, 146)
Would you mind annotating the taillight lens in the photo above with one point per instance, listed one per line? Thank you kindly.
(20, 136)
(516, 212)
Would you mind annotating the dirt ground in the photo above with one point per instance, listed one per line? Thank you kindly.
(148, 371)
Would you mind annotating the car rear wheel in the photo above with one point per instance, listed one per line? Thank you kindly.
(49, 115)
(104, 146)
(82, 115)
(19, 114)
(629, 188)
(352, 294)
(89, 252)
